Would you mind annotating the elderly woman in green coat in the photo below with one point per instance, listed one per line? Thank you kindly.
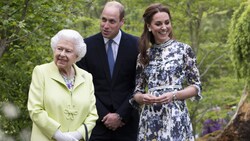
(61, 97)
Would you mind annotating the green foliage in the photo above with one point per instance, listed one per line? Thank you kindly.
(16, 67)
(25, 31)
(27, 26)
(224, 93)
(87, 25)
(239, 40)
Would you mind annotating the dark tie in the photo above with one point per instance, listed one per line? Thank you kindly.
(110, 57)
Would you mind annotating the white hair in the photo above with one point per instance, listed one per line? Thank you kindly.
(75, 37)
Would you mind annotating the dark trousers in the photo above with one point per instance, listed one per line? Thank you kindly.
(126, 133)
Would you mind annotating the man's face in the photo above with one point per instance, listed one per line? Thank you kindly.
(110, 22)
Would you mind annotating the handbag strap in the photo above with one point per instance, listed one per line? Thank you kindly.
(86, 132)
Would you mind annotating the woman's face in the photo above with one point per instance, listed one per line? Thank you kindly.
(65, 54)
(160, 27)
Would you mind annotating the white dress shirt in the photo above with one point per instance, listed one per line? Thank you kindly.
(115, 44)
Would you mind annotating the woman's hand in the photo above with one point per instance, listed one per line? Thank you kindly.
(60, 136)
(165, 98)
(149, 99)
(145, 98)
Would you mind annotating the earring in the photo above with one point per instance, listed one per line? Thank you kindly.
(149, 29)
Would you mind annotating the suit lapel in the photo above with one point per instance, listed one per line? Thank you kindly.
(80, 78)
(102, 55)
(55, 74)
(121, 53)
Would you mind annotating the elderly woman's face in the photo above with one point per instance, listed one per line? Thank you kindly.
(65, 54)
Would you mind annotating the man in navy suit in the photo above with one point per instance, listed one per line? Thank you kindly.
(118, 121)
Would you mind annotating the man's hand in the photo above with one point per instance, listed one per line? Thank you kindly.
(112, 121)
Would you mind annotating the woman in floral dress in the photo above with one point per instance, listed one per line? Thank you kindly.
(167, 75)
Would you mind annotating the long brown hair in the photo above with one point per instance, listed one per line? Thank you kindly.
(147, 38)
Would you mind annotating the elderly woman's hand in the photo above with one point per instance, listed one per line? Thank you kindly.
(75, 134)
(59, 136)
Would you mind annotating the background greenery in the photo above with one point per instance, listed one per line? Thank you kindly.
(26, 27)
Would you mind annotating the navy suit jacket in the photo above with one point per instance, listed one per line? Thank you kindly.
(112, 94)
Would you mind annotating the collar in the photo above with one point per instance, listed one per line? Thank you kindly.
(55, 74)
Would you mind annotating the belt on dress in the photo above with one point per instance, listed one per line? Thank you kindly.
(164, 87)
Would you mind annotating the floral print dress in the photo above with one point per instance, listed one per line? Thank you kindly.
(171, 66)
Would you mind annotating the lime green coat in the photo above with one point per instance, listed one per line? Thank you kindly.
(53, 106)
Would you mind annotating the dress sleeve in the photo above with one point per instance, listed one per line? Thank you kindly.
(192, 72)
(140, 83)
(90, 121)
(36, 107)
